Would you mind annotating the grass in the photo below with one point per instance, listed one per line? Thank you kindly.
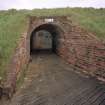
(12, 24)
(92, 20)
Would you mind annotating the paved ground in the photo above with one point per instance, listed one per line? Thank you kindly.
(50, 81)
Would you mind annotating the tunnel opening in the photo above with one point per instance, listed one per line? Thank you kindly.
(45, 38)
(42, 41)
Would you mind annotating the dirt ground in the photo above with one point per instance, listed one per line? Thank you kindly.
(51, 81)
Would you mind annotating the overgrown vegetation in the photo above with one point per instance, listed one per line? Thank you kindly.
(13, 22)
(11, 25)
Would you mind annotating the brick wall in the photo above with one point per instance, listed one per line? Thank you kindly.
(84, 52)
(18, 61)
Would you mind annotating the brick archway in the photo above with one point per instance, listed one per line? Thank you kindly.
(55, 31)
(76, 45)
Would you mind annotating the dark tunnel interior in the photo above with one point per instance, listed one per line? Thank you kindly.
(45, 37)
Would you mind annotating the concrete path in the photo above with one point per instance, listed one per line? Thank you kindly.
(51, 81)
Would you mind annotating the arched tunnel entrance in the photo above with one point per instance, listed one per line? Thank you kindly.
(45, 38)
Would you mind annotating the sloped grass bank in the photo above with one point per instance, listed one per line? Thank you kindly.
(11, 26)
(92, 20)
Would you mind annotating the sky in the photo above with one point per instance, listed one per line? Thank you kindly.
(31, 4)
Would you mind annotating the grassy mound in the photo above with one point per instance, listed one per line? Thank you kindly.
(12, 24)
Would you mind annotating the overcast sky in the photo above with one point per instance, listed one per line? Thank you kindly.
(30, 4)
